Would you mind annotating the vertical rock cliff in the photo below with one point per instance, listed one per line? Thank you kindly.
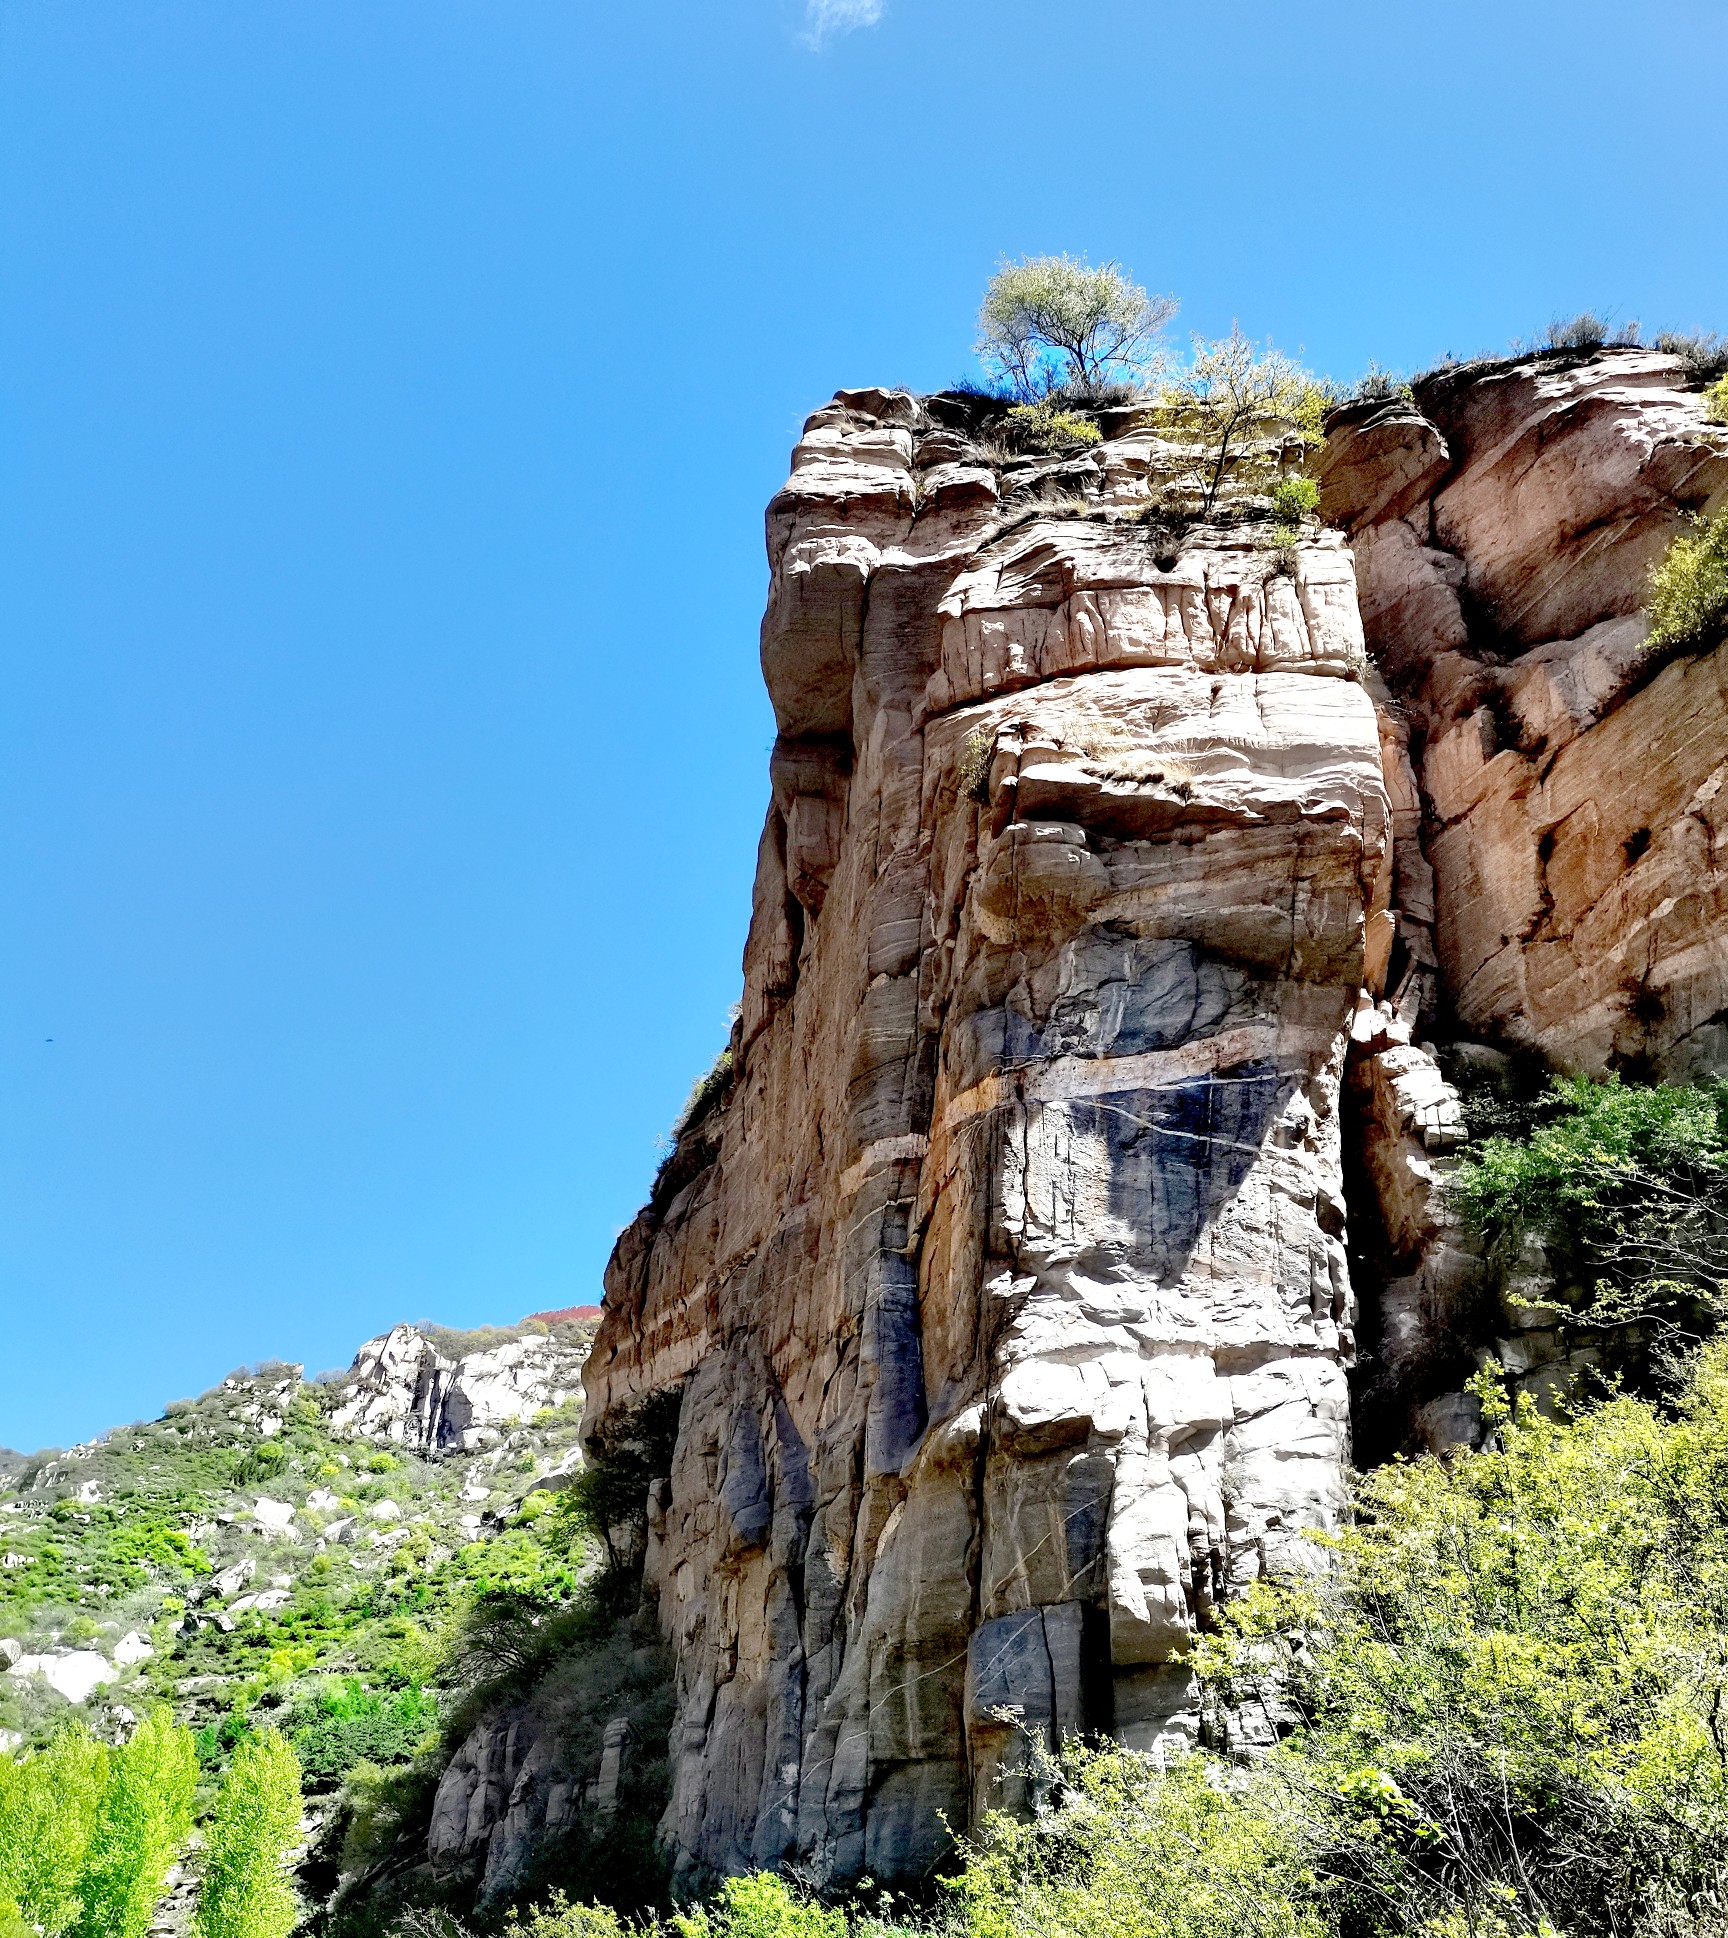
(1004, 1284)
(1113, 909)
(1559, 888)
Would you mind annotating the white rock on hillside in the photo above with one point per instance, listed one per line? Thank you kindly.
(75, 1674)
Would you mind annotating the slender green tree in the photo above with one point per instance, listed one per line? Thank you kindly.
(256, 1823)
(48, 1804)
(141, 1821)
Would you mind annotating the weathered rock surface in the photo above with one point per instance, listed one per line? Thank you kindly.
(1006, 1288)
(1112, 909)
(1560, 880)
(401, 1389)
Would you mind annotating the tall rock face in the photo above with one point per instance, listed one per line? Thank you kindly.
(1561, 878)
(1006, 1286)
(1113, 910)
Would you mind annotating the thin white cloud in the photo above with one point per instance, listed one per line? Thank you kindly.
(823, 19)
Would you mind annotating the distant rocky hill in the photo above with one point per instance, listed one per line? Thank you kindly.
(291, 1550)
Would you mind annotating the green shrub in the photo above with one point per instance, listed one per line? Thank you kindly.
(346, 1724)
(1294, 499)
(1688, 596)
(1716, 402)
(559, 1918)
(760, 1906)
(1197, 1851)
(1046, 430)
(1626, 1187)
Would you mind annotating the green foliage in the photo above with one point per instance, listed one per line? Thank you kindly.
(1045, 429)
(141, 1823)
(1294, 499)
(1235, 408)
(1048, 321)
(1688, 594)
(709, 1090)
(1627, 1187)
(255, 1824)
(1716, 402)
(559, 1918)
(87, 1833)
(761, 1905)
(345, 1723)
(48, 1806)
(1512, 1691)
(1134, 1852)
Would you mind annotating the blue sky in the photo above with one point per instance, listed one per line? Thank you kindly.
(389, 394)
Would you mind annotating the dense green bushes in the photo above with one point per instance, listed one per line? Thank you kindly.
(346, 1723)
(1626, 1188)
(1688, 597)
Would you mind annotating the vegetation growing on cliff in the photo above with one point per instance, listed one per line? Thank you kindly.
(1688, 598)
(1626, 1188)
(1050, 322)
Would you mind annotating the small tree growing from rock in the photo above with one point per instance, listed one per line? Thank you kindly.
(1237, 408)
(1050, 322)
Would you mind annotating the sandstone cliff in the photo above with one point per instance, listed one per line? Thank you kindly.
(1110, 909)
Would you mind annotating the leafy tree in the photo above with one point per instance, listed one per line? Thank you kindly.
(1048, 321)
(1626, 1187)
(48, 1804)
(256, 1822)
(1688, 597)
(141, 1821)
(1235, 407)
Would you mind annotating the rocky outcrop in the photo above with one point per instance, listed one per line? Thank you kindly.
(1005, 1288)
(1113, 914)
(402, 1390)
(1560, 886)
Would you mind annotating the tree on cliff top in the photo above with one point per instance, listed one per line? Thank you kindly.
(1237, 407)
(1050, 321)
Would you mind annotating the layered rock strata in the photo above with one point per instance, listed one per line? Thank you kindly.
(1113, 911)
(1005, 1288)
(1560, 885)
